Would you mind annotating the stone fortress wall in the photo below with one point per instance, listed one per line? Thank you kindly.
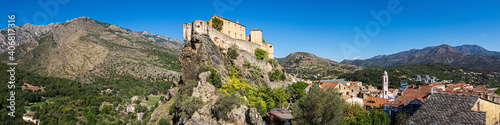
(222, 40)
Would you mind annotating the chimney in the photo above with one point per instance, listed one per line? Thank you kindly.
(238, 22)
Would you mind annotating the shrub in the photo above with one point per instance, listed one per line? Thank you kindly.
(224, 104)
(273, 62)
(233, 51)
(164, 121)
(260, 54)
(247, 64)
(185, 106)
(217, 24)
(276, 75)
(241, 86)
(214, 78)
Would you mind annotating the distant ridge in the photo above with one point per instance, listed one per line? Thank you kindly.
(472, 56)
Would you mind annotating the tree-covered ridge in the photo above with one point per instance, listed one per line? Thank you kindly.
(397, 74)
(71, 102)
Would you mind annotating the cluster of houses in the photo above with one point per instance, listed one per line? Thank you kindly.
(436, 103)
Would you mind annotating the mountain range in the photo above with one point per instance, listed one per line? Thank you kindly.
(84, 49)
(472, 56)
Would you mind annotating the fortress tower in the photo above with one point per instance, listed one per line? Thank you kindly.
(385, 79)
(256, 36)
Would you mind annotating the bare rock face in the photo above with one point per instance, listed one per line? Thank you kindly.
(206, 91)
(197, 52)
(253, 117)
(238, 115)
(26, 32)
(164, 41)
(171, 93)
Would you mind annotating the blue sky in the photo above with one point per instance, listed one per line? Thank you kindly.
(324, 28)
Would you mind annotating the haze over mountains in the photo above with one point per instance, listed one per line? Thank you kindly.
(472, 56)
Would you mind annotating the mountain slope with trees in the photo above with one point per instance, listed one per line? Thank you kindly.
(403, 74)
(308, 65)
(444, 54)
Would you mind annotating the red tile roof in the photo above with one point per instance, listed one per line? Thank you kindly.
(411, 93)
(326, 85)
(436, 84)
(482, 88)
(375, 101)
(391, 90)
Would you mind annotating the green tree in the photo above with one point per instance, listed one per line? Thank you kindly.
(279, 94)
(319, 107)
(297, 90)
(217, 24)
(401, 117)
(498, 91)
(379, 117)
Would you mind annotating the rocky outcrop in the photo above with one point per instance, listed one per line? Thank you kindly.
(164, 41)
(253, 117)
(200, 50)
(241, 115)
(197, 52)
(26, 32)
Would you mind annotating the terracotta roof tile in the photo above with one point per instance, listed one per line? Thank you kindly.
(375, 101)
(326, 85)
(411, 93)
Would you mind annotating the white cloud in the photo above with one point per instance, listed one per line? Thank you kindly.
(357, 57)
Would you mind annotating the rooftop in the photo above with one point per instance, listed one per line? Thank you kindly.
(375, 101)
(411, 93)
(448, 109)
(281, 113)
(226, 19)
(326, 85)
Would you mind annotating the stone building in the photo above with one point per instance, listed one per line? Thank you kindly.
(231, 33)
(231, 28)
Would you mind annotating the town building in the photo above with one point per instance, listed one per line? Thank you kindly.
(451, 109)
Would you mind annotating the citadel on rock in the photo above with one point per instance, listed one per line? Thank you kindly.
(231, 33)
